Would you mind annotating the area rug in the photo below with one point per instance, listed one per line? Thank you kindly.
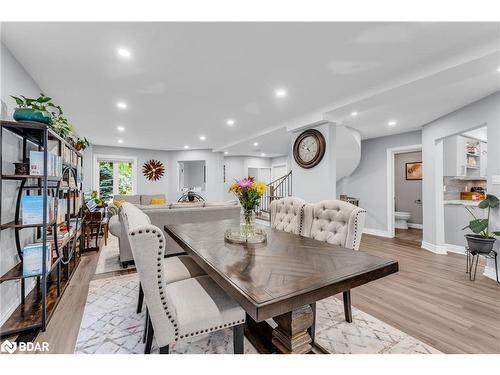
(110, 325)
(109, 257)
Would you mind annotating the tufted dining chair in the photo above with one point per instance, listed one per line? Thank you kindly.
(334, 221)
(182, 309)
(286, 214)
(339, 223)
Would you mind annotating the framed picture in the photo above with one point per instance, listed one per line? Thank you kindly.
(414, 170)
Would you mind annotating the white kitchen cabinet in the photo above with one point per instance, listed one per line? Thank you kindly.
(455, 156)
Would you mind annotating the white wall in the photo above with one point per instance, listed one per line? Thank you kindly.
(237, 168)
(369, 181)
(169, 184)
(318, 183)
(14, 81)
(483, 112)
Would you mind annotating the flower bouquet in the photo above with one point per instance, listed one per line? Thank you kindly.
(248, 193)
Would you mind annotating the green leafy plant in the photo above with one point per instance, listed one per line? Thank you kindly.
(61, 126)
(81, 143)
(482, 226)
(42, 104)
(97, 200)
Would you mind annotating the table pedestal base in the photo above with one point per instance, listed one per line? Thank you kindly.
(291, 336)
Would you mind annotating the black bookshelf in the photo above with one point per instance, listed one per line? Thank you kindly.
(37, 306)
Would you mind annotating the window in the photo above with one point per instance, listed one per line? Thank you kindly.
(114, 175)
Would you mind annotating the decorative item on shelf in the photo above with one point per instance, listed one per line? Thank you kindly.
(483, 239)
(81, 144)
(22, 168)
(248, 193)
(190, 197)
(43, 110)
(37, 110)
(153, 170)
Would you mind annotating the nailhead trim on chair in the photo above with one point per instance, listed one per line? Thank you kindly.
(354, 242)
(213, 328)
(160, 283)
(301, 218)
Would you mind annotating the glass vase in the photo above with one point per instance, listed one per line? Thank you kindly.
(247, 223)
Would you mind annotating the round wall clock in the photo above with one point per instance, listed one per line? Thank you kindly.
(309, 148)
(153, 170)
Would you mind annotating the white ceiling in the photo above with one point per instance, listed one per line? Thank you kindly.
(186, 79)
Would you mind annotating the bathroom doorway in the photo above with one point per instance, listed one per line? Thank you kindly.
(405, 204)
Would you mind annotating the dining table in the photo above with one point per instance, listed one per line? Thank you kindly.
(280, 279)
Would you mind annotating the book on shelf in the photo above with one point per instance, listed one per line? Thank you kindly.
(54, 164)
(33, 259)
(32, 209)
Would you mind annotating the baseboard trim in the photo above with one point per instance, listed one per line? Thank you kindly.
(436, 249)
(490, 273)
(377, 232)
(455, 249)
(416, 226)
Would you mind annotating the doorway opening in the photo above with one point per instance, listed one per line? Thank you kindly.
(405, 204)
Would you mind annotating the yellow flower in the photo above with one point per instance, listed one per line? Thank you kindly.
(234, 187)
(260, 187)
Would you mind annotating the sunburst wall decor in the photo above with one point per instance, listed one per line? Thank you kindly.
(153, 170)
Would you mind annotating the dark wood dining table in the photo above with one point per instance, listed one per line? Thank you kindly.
(280, 279)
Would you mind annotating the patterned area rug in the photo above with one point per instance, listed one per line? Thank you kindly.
(109, 257)
(110, 325)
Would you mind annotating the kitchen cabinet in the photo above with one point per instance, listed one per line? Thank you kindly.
(464, 158)
(455, 156)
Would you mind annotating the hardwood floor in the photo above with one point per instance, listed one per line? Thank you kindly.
(430, 298)
(410, 234)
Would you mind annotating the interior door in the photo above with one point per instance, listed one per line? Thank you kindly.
(278, 171)
(265, 175)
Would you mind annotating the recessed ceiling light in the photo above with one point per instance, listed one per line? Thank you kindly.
(256, 144)
(392, 123)
(202, 137)
(123, 52)
(230, 122)
(226, 153)
(120, 128)
(121, 105)
(186, 147)
(280, 93)
(498, 70)
(120, 141)
(263, 154)
(354, 114)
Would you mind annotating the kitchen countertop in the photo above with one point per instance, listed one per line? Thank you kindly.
(461, 202)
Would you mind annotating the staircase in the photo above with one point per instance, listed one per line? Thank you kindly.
(277, 189)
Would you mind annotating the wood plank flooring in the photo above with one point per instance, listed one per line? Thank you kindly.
(410, 234)
(430, 298)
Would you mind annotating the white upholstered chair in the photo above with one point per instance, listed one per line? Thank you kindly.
(339, 223)
(286, 214)
(181, 309)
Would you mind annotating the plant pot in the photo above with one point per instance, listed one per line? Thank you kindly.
(479, 244)
(31, 115)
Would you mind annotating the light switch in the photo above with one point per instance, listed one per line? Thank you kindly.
(495, 180)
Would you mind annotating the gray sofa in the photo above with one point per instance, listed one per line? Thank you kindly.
(176, 214)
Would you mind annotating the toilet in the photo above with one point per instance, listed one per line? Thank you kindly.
(401, 219)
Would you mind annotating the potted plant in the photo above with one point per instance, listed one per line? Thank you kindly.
(483, 239)
(40, 110)
(81, 143)
(62, 127)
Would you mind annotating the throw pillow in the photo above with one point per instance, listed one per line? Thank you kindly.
(157, 201)
(118, 202)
